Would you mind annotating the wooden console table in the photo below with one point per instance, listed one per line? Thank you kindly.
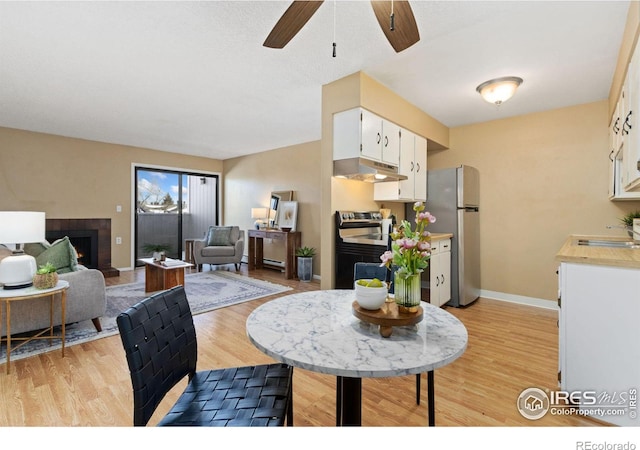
(292, 240)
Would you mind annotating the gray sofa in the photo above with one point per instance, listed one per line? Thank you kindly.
(221, 245)
(86, 300)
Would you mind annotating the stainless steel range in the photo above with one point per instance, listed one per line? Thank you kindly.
(361, 236)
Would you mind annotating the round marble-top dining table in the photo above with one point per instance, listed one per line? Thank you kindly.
(317, 331)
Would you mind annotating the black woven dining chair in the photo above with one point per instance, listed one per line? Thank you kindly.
(159, 339)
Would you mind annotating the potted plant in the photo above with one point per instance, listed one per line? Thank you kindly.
(627, 221)
(46, 277)
(305, 262)
(158, 251)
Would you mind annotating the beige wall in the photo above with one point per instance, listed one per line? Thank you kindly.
(75, 178)
(544, 176)
(249, 181)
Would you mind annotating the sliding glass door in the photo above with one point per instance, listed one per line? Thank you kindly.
(172, 206)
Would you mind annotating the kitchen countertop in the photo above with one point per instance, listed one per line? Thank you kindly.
(440, 236)
(603, 256)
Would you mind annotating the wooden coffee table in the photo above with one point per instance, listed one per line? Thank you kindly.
(160, 276)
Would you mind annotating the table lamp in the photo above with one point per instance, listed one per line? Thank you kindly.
(20, 227)
(259, 214)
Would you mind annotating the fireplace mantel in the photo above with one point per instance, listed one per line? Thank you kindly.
(62, 227)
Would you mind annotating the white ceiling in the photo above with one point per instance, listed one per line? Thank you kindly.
(194, 78)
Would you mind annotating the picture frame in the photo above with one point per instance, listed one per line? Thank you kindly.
(288, 215)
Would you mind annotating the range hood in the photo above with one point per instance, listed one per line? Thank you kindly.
(363, 169)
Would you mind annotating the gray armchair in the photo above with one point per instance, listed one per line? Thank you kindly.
(221, 245)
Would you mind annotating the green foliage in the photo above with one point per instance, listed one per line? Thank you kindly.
(156, 247)
(628, 219)
(46, 268)
(306, 251)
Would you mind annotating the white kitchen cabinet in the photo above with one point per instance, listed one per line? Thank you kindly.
(361, 133)
(624, 137)
(599, 338)
(440, 272)
(629, 126)
(613, 146)
(413, 164)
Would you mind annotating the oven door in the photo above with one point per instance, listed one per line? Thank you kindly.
(349, 254)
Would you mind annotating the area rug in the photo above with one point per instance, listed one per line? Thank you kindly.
(206, 291)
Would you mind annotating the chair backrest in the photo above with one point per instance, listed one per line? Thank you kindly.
(369, 270)
(159, 339)
(223, 235)
(373, 270)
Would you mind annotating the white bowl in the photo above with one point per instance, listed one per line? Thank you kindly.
(371, 298)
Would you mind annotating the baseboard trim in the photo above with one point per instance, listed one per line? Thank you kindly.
(520, 299)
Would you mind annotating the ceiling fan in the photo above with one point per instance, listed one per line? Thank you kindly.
(395, 18)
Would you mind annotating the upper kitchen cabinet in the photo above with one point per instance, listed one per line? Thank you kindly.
(624, 137)
(413, 164)
(358, 132)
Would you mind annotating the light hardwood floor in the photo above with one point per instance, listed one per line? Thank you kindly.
(511, 347)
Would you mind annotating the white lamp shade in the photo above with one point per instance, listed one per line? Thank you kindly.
(259, 213)
(499, 90)
(20, 227)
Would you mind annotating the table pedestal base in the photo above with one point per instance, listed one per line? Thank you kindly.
(349, 401)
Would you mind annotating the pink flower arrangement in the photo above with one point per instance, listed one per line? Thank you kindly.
(410, 250)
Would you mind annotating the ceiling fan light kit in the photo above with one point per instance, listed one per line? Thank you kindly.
(394, 17)
(499, 90)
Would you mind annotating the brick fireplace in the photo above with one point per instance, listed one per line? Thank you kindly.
(90, 237)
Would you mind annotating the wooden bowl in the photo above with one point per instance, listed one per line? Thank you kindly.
(286, 229)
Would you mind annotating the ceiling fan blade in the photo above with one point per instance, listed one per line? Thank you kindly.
(292, 21)
(406, 31)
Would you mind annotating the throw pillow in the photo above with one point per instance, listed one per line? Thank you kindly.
(4, 252)
(35, 248)
(219, 236)
(61, 254)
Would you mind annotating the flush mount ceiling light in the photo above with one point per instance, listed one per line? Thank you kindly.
(499, 90)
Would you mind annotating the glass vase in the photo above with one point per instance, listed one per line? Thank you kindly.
(407, 292)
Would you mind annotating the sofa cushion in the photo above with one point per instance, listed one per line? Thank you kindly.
(61, 254)
(218, 250)
(219, 236)
(4, 252)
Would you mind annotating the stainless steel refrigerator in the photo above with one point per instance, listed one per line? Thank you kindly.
(453, 197)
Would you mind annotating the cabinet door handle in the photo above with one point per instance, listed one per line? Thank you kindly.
(626, 126)
(616, 128)
(411, 167)
(442, 278)
(611, 156)
(386, 141)
(379, 137)
(437, 281)
(417, 167)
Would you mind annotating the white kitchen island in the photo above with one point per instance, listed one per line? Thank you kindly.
(599, 340)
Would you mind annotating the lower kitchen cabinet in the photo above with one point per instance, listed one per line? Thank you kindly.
(439, 269)
(599, 340)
